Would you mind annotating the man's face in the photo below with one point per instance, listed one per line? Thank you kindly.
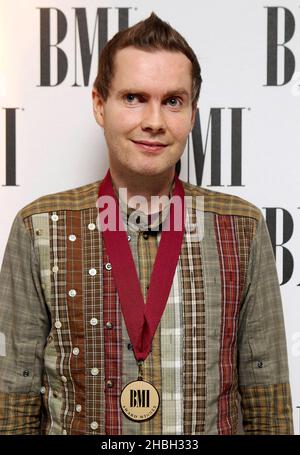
(149, 100)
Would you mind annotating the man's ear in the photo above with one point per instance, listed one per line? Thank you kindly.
(98, 107)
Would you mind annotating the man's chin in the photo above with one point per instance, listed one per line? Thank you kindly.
(150, 172)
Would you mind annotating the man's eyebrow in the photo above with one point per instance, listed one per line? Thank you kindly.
(178, 91)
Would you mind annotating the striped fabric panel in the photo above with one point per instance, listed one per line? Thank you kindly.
(245, 230)
(147, 249)
(38, 225)
(60, 297)
(20, 413)
(52, 399)
(129, 370)
(230, 279)
(94, 334)
(113, 350)
(74, 280)
(171, 359)
(212, 298)
(46, 419)
(194, 332)
(267, 409)
(152, 373)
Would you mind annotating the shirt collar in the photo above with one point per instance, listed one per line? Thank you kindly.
(136, 220)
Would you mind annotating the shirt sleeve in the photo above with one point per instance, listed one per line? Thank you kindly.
(24, 326)
(262, 352)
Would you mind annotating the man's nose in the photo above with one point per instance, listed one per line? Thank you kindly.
(153, 117)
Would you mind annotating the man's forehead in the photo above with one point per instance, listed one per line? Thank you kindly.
(132, 61)
(135, 78)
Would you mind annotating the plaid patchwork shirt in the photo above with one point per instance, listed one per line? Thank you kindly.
(65, 354)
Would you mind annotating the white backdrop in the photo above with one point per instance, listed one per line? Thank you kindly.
(59, 146)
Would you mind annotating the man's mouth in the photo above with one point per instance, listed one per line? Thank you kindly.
(149, 145)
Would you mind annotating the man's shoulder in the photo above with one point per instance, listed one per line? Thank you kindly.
(221, 203)
(79, 198)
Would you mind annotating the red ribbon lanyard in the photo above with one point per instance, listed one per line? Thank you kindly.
(142, 319)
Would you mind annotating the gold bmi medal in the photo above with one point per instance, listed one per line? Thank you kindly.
(139, 399)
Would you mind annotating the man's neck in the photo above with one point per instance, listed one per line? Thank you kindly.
(145, 186)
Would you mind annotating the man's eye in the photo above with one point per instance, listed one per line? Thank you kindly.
(175, 104)
(130, 97)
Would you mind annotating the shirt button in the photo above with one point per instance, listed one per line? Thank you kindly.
(55, 394)
(129, 346)
(50, 338)
(76, 351)
(145, 235)
(57, 324)
(65, 432)
(91, 226)
(109, 384)
(94, 321)
(72, 237)
(94, 425)
(43, 390)
(39, 232)
(128, 238)
(64, 379)
(54, 218)
(109, 325)
(108, 266)
(260, 364)
(92, 272)
(94, 371)
(78, 408)
(72, 293)
(55, 269)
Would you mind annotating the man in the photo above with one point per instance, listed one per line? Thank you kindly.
(100, 338)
